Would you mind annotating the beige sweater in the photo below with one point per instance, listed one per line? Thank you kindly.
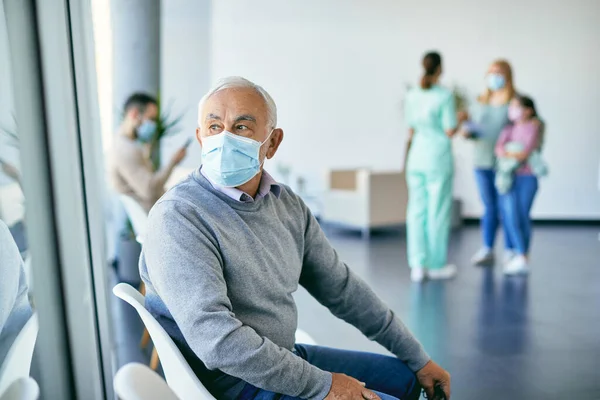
(131, 172)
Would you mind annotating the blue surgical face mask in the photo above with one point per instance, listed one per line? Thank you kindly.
(145, 132)
(495, 81)
(230, 160)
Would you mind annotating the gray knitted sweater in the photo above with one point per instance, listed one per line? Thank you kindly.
(220, 275)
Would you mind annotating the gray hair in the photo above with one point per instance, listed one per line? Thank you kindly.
(237, 82)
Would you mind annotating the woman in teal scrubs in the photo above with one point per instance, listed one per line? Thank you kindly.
(431, 117)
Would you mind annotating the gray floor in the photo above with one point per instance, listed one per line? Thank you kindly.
(501, 338)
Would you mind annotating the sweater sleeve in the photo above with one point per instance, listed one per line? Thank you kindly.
(186, 270)
(334, 285)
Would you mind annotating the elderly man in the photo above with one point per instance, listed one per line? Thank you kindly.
(228, 247)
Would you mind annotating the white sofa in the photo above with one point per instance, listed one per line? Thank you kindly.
(364, 199)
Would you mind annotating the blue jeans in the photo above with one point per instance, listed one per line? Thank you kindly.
(491, 214)
(516, 206)
(389, 377)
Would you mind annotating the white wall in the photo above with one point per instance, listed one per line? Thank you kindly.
(185, 67)
(337, 70)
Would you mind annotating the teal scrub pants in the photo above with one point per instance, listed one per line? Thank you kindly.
(428, 217)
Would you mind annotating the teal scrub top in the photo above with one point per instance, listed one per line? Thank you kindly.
(490, 120)
(430, 112)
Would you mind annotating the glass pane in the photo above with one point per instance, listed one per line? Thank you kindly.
(17, 298)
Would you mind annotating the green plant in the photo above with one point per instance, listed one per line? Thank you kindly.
(128, 233)
(166, 125)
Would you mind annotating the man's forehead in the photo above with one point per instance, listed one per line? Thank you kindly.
(235, 101)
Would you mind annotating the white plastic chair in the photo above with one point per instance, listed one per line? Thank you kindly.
(22, 389)
(137, 215)
(304, 338)
(18, 359)
(178, 373)
(180, 377)
(136, 381)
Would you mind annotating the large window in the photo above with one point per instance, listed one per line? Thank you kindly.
(52, 196)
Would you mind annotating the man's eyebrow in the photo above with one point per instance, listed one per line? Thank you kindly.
(212, 116)
(245, 117)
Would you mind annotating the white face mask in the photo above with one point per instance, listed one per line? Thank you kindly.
(231, 160)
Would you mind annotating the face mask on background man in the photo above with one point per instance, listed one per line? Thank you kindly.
(145, 132)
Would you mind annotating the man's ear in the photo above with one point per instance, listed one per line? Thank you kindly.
(198, 136)
(274, 142)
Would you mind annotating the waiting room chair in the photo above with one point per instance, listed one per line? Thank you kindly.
(135, 381)
(178, 373)
(17, 363)
(304, 338)
(180, 377)
(365, 199)
(137, 215)
(139, 221)
(22, 389)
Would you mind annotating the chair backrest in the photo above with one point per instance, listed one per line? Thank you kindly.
(22, 389)
(137, 215)
(135, 381)
(304, 338)
(178, 373)
(17, 363)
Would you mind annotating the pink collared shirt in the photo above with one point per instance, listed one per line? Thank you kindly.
(267, 185)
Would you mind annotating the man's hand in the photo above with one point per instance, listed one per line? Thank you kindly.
(432, 376)
(179, 156)
(344, 387)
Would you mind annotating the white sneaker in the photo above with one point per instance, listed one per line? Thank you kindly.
(508, 256)
(446, 272)
(417, 274)
(483, 257)
(517, 266)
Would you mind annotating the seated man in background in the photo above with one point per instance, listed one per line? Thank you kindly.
(131, 169)
(227, 248)
(15, 309)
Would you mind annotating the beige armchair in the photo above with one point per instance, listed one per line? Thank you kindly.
(364, 199)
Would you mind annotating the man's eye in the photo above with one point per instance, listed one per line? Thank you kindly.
(214, 127)
(241, 127)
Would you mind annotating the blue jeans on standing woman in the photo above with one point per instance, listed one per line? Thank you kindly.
(492, 213)
(516, 207)
(387, 376)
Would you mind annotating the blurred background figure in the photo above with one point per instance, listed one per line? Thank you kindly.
(520, 162)
(132, 172)
(15, 309)
(488, 117)
(431, 117)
